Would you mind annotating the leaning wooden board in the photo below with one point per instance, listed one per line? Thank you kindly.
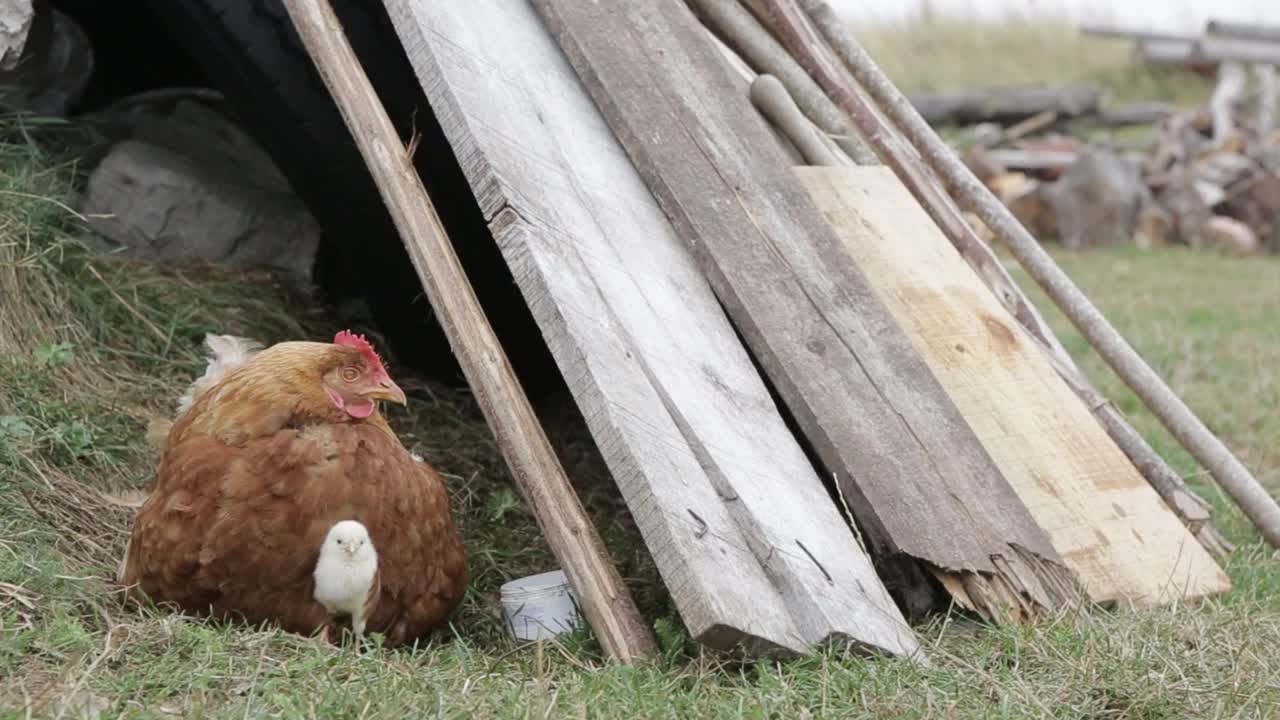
(1110, 525)
(750, 545)
(919, 481)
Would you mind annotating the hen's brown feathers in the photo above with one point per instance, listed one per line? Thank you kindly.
(251, 480)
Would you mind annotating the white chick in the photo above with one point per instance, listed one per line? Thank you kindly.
(345, 573)
(226, 353)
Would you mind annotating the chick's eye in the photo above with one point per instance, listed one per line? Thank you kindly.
(350, 374)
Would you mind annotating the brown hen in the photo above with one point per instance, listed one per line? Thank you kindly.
(255, 473)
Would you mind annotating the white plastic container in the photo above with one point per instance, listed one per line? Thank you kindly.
(539, 607)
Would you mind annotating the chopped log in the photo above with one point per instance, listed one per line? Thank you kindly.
(533, 463)
(979, 160)
(1029, 203)
(1254, 500)
(1136, 113)
(1155, 226)
(1104, 519)
(1246, 31)
(754, 553)
(1230, 235)
(1050, 161)
(1227, 94)
(1186, 204)
(1180, 53)
(878, 419)
(1096, 201)
(1007, 104)
(1267, 95)
(1032, 125)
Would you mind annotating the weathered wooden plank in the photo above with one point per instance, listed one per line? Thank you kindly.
(918, 479)
(1109, 524)
(751, 547)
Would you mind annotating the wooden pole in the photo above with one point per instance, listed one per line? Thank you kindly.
(1181, 422)
(607, 604)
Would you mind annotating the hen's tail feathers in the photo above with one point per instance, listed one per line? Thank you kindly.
(226, 353)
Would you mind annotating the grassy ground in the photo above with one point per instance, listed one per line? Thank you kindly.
(90, 348)
(945, 54)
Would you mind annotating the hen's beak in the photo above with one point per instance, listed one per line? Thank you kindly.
(389, 391)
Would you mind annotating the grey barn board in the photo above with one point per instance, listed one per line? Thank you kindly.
(916, 476)
(751, 547)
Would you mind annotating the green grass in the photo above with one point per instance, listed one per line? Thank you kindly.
(948, 54)
(91, 348)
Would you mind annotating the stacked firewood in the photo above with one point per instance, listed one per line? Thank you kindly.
(1210, 179)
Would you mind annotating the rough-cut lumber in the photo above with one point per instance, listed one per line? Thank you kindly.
(1246, 31)
(1173, 413)
(1209, 51)
(754, 552)
(1105, 520)
(1214, 47)
(912, 471)
(902, 157)
(1006, 104)
(605, 600)
(1131, 34)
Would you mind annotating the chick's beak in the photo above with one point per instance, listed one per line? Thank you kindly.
(389, 391)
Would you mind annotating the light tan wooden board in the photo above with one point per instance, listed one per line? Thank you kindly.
(1111, 527)
(749, 543)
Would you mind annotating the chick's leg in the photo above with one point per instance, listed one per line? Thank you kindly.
(357, 624)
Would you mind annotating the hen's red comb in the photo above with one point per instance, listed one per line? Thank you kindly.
(346, 337)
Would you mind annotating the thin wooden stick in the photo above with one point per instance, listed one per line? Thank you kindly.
(605, 600)
(1181, 422)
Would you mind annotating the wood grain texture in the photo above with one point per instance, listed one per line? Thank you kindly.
(1106, 521)
(919, 481)
(753, 551)
(605, 601)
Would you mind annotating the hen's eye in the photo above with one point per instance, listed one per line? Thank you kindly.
(350, 374)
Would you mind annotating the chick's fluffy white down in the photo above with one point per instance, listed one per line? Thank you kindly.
(345, 572)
